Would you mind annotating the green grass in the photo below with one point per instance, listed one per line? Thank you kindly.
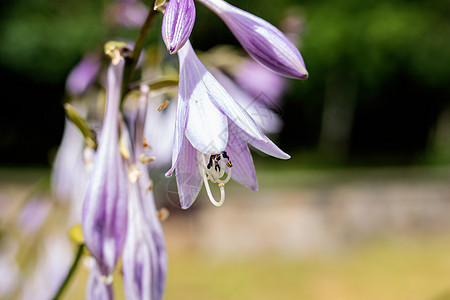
(383, 270)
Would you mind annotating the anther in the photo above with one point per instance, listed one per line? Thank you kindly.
(145, 159)
(163, 106)
(134, 173)
(163, 214)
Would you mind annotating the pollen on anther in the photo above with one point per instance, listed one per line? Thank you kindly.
(163, 214)
(163, 106)
(134, 173)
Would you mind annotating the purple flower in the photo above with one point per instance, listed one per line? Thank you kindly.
(83, 74)
(260, 83)
(177, 23)
(105, 205)
(257, 107)
(262, 41)
(127, 13)
(144, 256)
(211, 134)
(97, 286)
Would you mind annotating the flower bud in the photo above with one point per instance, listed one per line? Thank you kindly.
(262, 41)
(177, 24)
(105, 205)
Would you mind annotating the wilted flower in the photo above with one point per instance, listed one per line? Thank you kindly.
(211, 133)
(177, 24)
(105, 204)
(262, 41)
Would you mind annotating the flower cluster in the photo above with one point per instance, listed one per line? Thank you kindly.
(209, 135)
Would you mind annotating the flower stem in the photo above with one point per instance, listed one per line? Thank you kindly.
(71, 272)
(131, 62)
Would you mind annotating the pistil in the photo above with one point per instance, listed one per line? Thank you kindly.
(218, 166)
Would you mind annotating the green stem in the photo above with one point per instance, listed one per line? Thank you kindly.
(71, 272)
(131, 62)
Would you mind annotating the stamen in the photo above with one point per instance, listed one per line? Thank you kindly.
(163, 106)
(144, 159)
(134, 173)
(222, 167)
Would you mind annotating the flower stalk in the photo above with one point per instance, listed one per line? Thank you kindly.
(71, 272)
(131, 62)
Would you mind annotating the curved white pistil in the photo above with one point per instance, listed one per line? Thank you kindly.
(214, 172)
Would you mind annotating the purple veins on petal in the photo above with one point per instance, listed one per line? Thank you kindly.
(97, 288)
(262, 41)
(144, 256)
(222, 152)
(105, 205)
(177, 25)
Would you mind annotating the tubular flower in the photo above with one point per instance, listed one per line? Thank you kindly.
(97, 288)
(262, 41)
(211, 135)
(177, 24)
(144, 256)
(105, 205)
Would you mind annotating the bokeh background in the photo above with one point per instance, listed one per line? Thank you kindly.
(359, 212)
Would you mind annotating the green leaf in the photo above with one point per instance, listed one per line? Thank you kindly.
(82, 125)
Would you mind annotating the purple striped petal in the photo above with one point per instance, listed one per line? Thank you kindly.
(96, 288)
(177, 24)
(267, 147)
(267, 120)
(207, 127)
(144, 256)
(189, 180)
(243, 170)
(262, 41)
(105, 205)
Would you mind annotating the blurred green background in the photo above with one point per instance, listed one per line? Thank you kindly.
(361, 209)
(378, 91)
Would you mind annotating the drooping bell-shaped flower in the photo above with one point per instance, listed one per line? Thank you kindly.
(105, 205)
(144, 256)
(211, 135)
(177, 24)
(262, 41)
